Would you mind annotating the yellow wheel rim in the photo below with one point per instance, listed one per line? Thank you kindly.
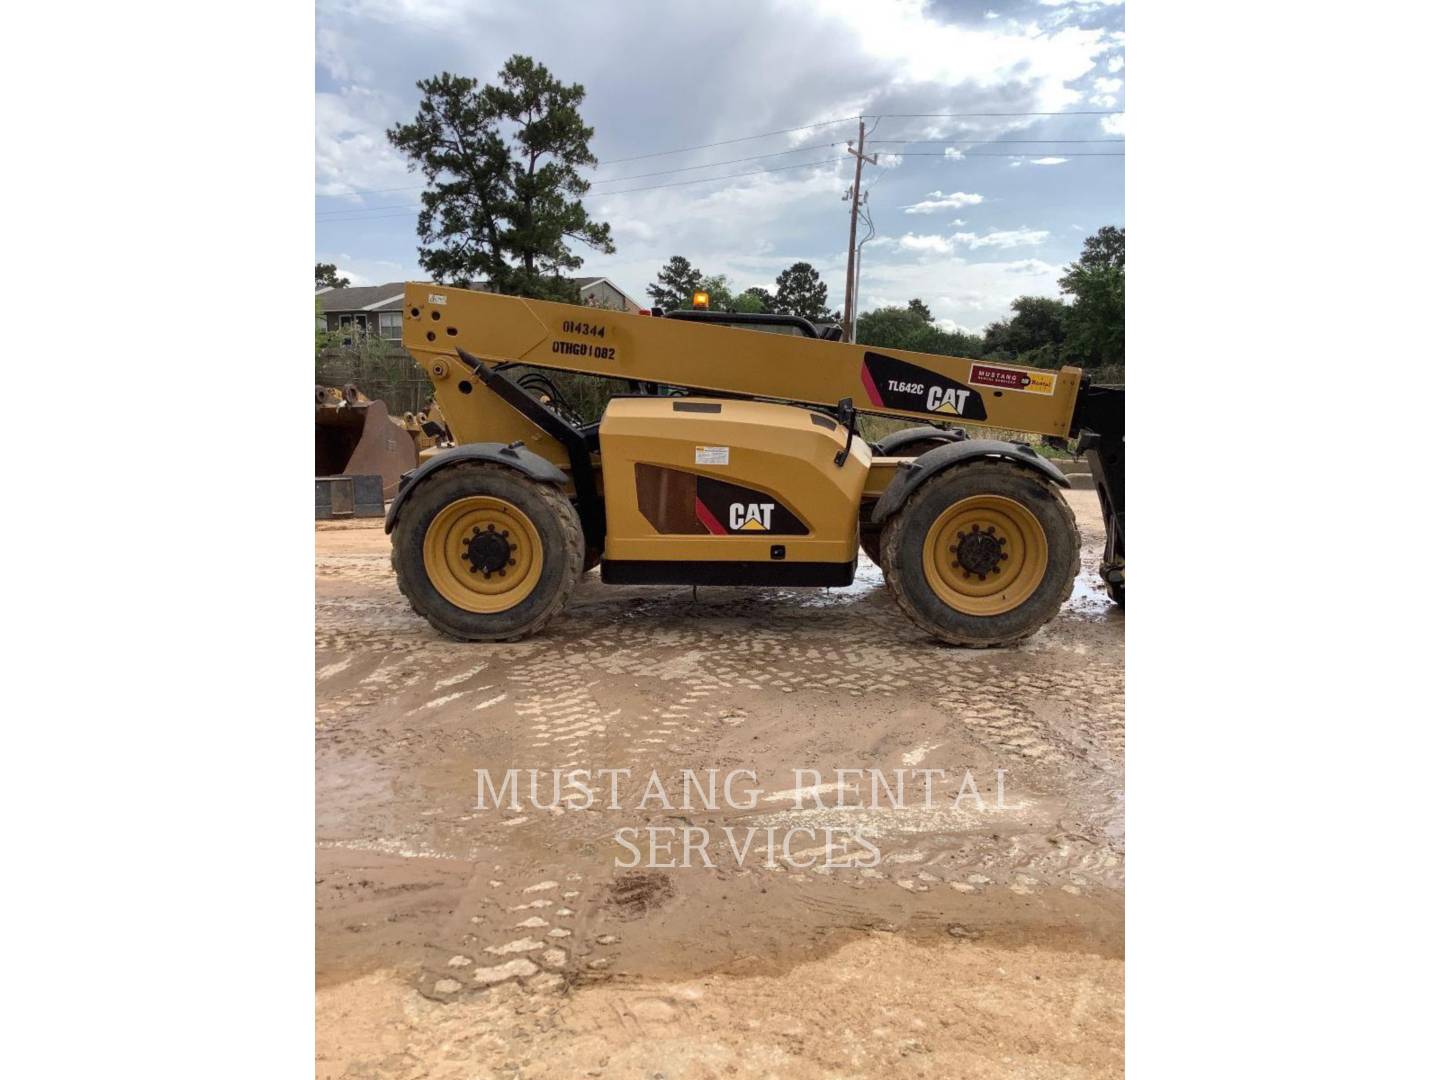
(985, 555)
(483, 554)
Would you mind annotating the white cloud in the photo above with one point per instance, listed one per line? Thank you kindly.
(937, 201)
(938, 245)
(1105, 92)
(918, 48)
(362, 271)
(905, 61)
(1049, 161)
(927, 244)
(1003, 238)
(1113, 125)
(351, 151)
(967, 293)
(1116, 63)
(700, 222)
(953, 154)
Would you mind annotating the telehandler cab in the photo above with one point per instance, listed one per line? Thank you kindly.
(736, 461)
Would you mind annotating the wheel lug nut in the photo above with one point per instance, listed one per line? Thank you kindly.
(505, 532)
(511, 563)
(974, 528)
(956, 564)
(990, 531)
(500, 572)
(1003, 555)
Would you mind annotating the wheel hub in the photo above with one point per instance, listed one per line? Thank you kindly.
(488, 551)
(979, 553)
(482, 553)
(985, 555)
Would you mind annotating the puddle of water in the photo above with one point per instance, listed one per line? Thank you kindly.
(1089, 598)
(868, 578)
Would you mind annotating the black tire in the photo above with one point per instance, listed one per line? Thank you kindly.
(561, 544)
(870, 544)
(1116, 591)
(902, 545)
(912, 442)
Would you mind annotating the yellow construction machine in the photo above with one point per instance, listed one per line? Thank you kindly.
(736, 461)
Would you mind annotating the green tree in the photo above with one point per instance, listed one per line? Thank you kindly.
(799, 291)
(1036, 333)
(674, 284)
(1097, 282)
(326, 276)
(919, 307)
(894, 328)
(756, 300)
(503, 196)
(908, 328)
(718, 287)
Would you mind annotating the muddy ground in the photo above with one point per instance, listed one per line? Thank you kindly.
(976, 933)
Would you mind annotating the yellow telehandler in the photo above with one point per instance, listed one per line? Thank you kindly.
(735, 460)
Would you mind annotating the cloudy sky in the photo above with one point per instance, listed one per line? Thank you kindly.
(959, 221)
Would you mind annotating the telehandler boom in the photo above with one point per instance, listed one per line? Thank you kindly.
(736, 461)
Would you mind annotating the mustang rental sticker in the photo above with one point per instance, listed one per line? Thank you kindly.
(1030, 382)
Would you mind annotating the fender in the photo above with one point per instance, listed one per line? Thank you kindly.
(893, 445)
(909, 477)
(514, 457)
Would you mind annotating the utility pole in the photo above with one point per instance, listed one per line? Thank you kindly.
(847, 321)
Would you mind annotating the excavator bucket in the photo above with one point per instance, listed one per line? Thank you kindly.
(355, 436)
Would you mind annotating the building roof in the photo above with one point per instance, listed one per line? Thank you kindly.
(391, 296)
(388, 297)
(586, 282)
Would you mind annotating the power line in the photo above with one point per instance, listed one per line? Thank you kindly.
(375, 213)
(728, 142)
(984, 141)
(1055, 153)
(603, 194)
(715, 164)
(731, 176)
(376, 217)
(784, 131)
(363, 209)
(961, 115)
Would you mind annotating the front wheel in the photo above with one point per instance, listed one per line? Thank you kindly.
(982, 554)
(485, 553)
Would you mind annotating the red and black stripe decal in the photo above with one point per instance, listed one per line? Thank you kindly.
(892, 383)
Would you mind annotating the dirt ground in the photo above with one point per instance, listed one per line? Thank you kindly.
(979, 933)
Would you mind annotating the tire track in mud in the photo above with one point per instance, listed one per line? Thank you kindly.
(653, 679)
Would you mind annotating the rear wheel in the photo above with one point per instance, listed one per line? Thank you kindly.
(485, 553)
(870, 544)
(982, 554)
